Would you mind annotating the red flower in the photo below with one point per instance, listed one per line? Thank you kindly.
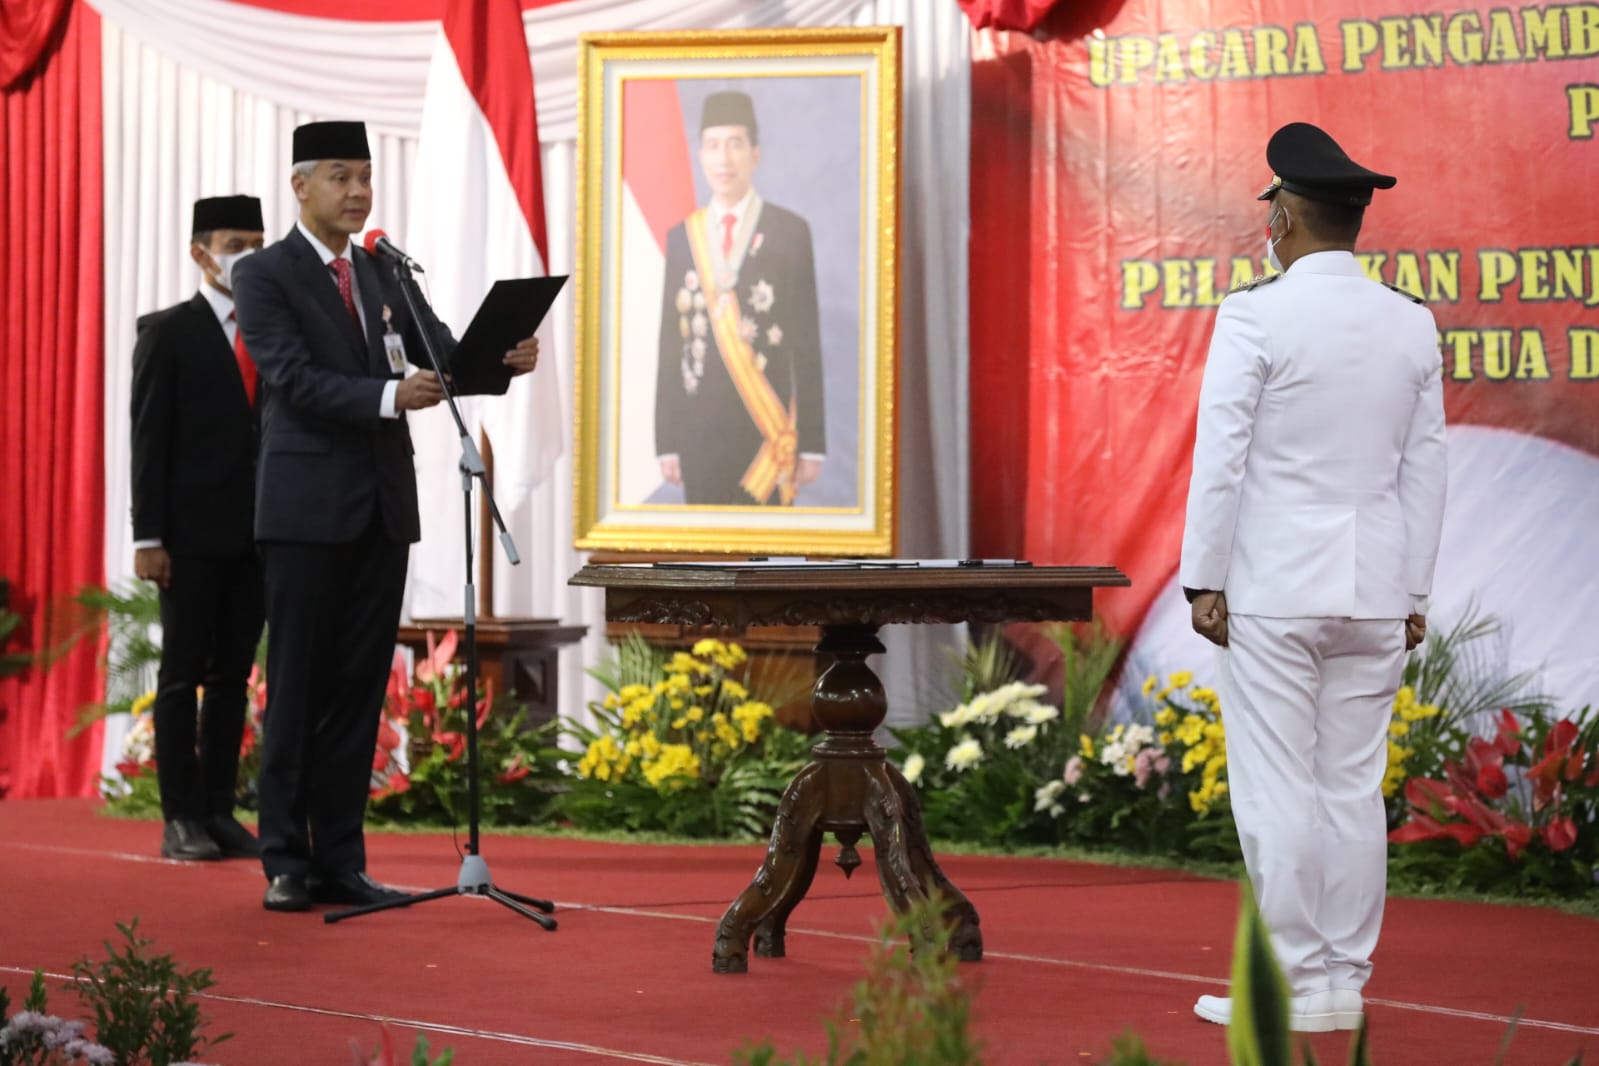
(396, 784)
(1560, 834)
(453, 743)
(1421, 827)
(1509, 738)
(515, 772)
(129, 768)
(1561, 737)
(388, 738)
(1574, 763)
(1492, 782)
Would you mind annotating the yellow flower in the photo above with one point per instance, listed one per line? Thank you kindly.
(695, 714)
(674, 761)
(709, 646)
(651, 745)
(1165, 717)
(1181, 679)
(142, 704)
(612, 701)
(704, 690)
(1398, 727)
(634, 692)
(733, 690)
(679, 723)
(1164, 736)
(1086, 745)
(1149, 684)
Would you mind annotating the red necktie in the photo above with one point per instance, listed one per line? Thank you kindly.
(341, 274)
(246, 364)
(728, 222)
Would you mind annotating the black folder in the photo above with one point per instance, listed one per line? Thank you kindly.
(511, 312)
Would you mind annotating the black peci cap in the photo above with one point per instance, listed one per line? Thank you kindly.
(330, 140)
(227, 212)
(729, 109)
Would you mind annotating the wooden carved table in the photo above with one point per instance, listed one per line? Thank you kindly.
(849, 789)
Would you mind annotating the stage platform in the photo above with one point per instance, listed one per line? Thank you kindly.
(1077, 953)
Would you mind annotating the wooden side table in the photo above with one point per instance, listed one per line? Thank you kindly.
(521, 654)
(849, 789)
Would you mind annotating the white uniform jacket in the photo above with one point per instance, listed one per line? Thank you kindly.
(1319, 465)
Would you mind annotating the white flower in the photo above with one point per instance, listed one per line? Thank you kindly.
(986, 707)
(746, 329)
(956, 718)
(1139, 736)
(1046, 797)
(696, 348)
(691, 280)
(685, 301)
(699, 301)
(967, 753)
(761, 296)
(701, 325)
(1021, 736)
(1035, 713)
(914, 767)
(774, 336)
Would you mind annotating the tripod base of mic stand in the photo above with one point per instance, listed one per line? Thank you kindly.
(473, 880)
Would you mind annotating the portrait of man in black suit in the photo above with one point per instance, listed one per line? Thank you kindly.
(740, 417)
(336, 511)
(194, 451)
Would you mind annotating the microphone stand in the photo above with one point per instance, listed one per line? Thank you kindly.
(473, 878)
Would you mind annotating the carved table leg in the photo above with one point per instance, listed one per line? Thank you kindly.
(849, 789)
(966, 939)
(784, 875)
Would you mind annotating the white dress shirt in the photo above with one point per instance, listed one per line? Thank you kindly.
(386, 406)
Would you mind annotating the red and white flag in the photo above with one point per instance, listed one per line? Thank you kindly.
(477, 216)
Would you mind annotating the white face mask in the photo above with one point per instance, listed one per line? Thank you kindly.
(225, 264)
(1271, 245)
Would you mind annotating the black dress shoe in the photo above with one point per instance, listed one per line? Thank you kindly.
(353, 890)
(287, 892)
(184, 838)
(234, 841)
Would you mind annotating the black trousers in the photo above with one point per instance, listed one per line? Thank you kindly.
(210, 625)
(333, 611)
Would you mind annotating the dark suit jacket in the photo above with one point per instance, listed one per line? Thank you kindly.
(327, 457)
(710, 428)
(194, 435)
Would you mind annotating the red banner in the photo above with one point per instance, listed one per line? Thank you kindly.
(1114, 182)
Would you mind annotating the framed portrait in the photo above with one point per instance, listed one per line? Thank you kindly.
(737, 291)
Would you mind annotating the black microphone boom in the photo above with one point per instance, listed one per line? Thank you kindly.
(378, 243)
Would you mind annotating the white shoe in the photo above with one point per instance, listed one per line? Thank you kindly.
(1315, 1013)
(1348, 1008)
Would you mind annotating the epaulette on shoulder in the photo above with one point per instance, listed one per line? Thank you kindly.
(1254, 283)
(1412, 297)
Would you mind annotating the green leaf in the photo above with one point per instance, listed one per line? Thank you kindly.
(1258, 1035)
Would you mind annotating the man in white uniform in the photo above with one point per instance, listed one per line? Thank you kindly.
(1314, 516)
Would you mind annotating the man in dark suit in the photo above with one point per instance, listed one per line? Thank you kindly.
(194, 448)
(739, 413)
(336, 512)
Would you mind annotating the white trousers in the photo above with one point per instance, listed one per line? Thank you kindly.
(1306, 703)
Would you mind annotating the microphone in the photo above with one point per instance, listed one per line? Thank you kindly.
(377, 243)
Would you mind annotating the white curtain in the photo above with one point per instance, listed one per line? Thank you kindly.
(200, 100)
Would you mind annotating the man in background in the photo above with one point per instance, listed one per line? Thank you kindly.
(739, 412)
(1314, 517)
(336, 512)
(195, 432)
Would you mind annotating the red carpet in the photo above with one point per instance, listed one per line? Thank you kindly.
(1076, 954)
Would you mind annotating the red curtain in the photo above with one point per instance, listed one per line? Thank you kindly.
(52, 499)
(26, 30)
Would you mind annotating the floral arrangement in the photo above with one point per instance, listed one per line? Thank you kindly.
(1520, 809)
(1156, 786)
(682, 744)
(420, 769)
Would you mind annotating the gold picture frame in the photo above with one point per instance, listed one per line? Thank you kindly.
(725, 403)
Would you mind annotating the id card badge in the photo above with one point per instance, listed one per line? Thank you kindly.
(394, 348)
